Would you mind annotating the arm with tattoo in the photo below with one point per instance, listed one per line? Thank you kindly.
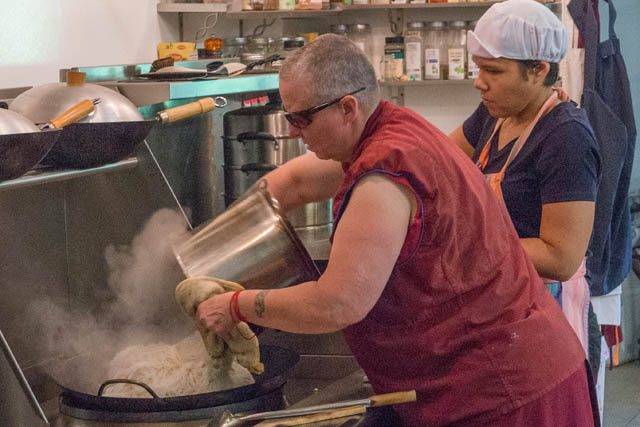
(259, 303)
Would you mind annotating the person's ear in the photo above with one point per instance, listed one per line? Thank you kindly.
(349, 107)
(541, 70)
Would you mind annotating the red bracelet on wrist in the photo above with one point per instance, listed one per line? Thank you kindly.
(235, 308)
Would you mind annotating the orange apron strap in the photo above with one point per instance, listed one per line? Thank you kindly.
(495, 180)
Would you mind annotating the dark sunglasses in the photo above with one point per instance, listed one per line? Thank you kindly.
(302, 119)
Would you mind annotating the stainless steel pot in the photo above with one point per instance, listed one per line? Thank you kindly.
(251, 243)
(259, 135)
(237, 180)
(312, 215)
(261, 148)
(41, 103)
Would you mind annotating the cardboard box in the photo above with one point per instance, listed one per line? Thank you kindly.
(180, 51)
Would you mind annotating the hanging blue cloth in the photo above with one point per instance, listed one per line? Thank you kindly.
(607, 101)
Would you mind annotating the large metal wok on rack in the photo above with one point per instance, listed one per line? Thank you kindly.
(23, 144)
(109, 135)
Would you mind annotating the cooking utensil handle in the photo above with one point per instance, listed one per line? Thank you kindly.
(73, 114)
(393, 398)
(127, 381)
(253, 167)
(185, 111)
(255, 136)
(313, 418)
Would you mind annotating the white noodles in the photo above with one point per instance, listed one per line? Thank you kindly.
(181, 369)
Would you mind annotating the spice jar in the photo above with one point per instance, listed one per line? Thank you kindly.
(414, 42)
(234, 47)
(435, 51)
(393, 61)
(360, 35)
(457, 52)
(257, 45)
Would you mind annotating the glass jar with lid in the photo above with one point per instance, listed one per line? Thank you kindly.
(291, 45)
(414, 42)
(234, 47)
(360, 35)
(257, 45)
(278, 49)
(457, 50)
(435, 51)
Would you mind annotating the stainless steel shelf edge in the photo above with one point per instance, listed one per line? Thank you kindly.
(38, 178)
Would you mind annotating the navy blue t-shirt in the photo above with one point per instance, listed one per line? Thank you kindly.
(558, 163)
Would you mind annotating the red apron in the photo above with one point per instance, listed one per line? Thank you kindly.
(572, 295)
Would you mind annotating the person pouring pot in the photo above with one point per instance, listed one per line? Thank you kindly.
(534, 146)
(426, 276)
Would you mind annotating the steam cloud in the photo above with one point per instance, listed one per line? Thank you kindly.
(141, 277)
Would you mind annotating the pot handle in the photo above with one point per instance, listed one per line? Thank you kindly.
(73, 114)
(191, 109)
(251, 167)
(127, 381)
(258, 136)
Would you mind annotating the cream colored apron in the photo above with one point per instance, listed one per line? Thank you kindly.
(572, 295)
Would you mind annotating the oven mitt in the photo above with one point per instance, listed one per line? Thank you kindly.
(243, 343)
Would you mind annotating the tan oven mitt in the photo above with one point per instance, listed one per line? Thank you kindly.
(243, 343)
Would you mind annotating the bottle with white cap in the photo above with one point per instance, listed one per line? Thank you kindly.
(457, 50)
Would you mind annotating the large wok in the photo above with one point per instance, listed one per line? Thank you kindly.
(81, 378)
(23, 145)
(84, 145)
(110, 134)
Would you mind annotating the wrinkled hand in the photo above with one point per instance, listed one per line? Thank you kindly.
(214, 314)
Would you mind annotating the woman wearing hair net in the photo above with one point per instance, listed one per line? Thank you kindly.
(534, 146)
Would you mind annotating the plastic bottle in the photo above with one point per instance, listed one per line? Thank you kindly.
(393, 58)
(414, 50)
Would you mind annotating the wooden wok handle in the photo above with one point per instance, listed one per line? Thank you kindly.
(393, 398)
(200, 106)
(73, 114)
(313, 418)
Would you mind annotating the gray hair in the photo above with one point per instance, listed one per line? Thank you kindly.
(332, 66)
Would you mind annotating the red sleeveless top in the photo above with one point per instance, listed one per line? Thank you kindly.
(464, 318)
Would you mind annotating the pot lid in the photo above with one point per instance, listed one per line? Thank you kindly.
(41, 103)
(12, 123)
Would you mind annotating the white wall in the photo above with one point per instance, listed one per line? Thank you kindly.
(38, 37)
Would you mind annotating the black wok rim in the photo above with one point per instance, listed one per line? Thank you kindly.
(84, 145)
(277, 360)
